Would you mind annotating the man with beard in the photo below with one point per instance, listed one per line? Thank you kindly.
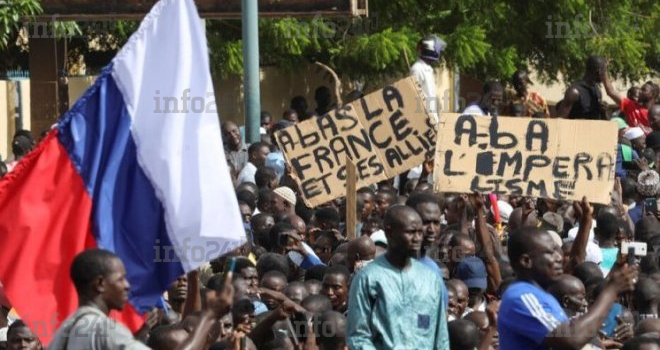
(396, 293)
(531, 318)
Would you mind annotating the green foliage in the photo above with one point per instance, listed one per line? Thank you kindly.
(486, 39)
(12, 13)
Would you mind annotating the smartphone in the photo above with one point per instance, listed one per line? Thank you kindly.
(651, 205)
(636, 249)
(230, 265)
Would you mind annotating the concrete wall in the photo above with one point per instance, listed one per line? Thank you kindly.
(8, 112)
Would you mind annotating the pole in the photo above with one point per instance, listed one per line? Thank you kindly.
(251, 74)
(351, 200)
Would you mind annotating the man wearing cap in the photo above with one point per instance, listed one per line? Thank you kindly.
(429, 50)
(283, 201)
(530, 103)
(637, 139)
(472, 272)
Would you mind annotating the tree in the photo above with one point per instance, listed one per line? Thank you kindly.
(486, 39)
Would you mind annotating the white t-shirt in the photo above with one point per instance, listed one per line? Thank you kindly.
(247, 174)
(474, 110)
(424, 75)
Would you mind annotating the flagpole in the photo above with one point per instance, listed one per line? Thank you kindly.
(252, 99)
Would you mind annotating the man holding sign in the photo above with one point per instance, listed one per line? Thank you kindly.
(557, 159)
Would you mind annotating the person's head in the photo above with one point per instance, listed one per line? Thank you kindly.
(335, 286)
(272, 262)
(648, 326)
(266, 177)
(452, 302)
(316, 303)
(451, 209)
(371, 225)
(586, 271)
(642, 343)
(647, 296)
(100, 276)
(296, 291)
(266, 120)
(430, 47)
(648, 93)
(463, 335)
(654, 117)
(480, 319)
(472, 272)
(533, 255)
(610, 230)
(299, 104)
(178, 291)
(257, 153)
(403, 229)
(314, 286)
(361, 251)
(276, 281)
(290, 115)
(367, 197)
(460, 246)
(265, 200)
(427, 206)
(570, 293)
(323, 97)
(167, 337)
(330, 329)
(595, 67)
(633, 93)
(247, 270)
(283, 201)
(462, 294)
(21, 146)
(20, 337)
(243, 315)
(246, 211)
(231, 135)
(384, 199)
(326, 218)
(520, 81)
(324, 244)
(261, 224)
(493, 95)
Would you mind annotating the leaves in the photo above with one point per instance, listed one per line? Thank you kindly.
(486, 39)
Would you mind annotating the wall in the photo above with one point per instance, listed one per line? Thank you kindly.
(8, 115)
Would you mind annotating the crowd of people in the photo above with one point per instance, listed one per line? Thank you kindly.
(427, 270)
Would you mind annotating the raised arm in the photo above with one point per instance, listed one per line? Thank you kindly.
(579, 250)
(577, 332)
(609, 89)
(486, 243)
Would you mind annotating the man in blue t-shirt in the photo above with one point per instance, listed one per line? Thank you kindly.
(529, 317)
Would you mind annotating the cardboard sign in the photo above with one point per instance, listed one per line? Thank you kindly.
(552, 158)
(385, 133)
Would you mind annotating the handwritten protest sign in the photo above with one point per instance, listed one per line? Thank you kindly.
(550, 158)
(385, 133)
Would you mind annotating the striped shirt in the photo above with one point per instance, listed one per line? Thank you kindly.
(527, 315)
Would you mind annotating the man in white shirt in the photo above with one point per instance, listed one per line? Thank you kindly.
(490, 101)
(257, 153)
(429, 50)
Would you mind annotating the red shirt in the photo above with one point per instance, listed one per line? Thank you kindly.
(636, 114)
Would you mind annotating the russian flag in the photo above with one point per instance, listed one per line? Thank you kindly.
(136, 167)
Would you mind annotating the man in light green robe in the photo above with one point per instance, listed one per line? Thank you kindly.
(396, 302)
